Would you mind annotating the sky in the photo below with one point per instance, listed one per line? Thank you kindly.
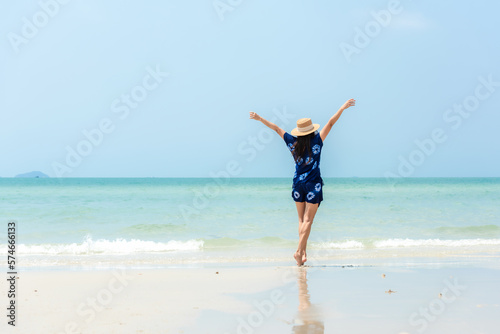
(163, 88)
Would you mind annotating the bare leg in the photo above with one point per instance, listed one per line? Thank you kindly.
(306, 212)
(301, 208)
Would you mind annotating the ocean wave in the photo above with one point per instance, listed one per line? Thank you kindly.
(403, 243)
(133, 246)
(103, 246)
(394, 243)
(349, 244)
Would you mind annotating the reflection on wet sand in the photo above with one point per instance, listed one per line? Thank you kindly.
(308, 320)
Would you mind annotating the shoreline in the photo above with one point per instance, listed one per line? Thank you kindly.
(478, 260)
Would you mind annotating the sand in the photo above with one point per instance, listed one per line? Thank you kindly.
(251, 299)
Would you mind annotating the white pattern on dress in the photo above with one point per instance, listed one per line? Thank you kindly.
(316, 149)
(296, 194)
(310, 195)
(317, 187)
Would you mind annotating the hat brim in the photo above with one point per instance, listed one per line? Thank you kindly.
(295, 132)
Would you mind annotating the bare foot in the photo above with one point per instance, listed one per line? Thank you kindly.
(304, 258)
(298, 258)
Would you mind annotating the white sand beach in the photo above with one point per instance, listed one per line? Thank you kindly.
(267, 299)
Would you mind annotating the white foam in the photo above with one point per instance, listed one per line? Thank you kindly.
(103, 246)
(402, 243)
(349, 244)
(123, 246)
(392, 243)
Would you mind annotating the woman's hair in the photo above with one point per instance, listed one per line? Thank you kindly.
(302, 147)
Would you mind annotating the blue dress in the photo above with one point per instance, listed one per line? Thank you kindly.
(307, 182)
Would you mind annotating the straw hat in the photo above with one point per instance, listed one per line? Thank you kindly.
(304, 127)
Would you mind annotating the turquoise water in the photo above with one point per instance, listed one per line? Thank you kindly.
(161, 220)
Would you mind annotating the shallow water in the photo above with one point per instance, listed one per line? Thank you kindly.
(168, 220)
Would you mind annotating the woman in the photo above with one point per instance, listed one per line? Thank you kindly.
(305, 144)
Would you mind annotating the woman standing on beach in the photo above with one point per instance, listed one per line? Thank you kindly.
(305, 144)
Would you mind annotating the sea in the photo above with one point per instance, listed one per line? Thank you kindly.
(94, 223)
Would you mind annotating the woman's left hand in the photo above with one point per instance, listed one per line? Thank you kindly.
(254, 115)
(349, 103)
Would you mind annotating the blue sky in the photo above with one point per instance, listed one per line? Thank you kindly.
(163, 88)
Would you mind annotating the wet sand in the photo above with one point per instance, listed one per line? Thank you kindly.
(267, 299)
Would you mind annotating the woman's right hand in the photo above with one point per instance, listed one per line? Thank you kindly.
(349, 103)
(254, 115)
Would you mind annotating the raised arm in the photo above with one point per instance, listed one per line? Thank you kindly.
(326, 129)
(270, 125)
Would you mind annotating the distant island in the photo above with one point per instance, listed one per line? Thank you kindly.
(34, 174)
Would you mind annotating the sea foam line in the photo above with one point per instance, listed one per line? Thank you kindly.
(122, 246)
(391, 243)
(348, 244)
(402, 243)
(103, 246)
